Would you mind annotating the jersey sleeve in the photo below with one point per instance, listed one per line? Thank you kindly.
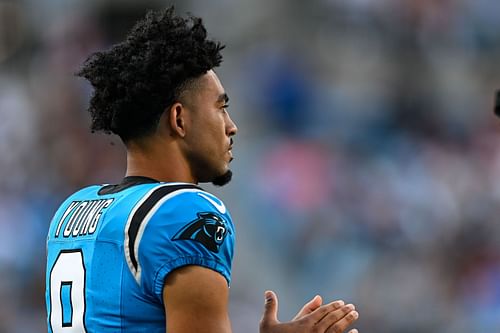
(190, 228)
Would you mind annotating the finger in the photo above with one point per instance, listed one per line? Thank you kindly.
(309, 307)
(334, 316)
(322, 311)
(343, 323)
(270, 315)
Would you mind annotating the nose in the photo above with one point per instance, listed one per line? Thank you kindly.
(231, 127)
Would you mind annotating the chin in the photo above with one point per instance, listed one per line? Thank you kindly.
(223, 179)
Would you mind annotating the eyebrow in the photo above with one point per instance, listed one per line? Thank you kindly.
(223, 98)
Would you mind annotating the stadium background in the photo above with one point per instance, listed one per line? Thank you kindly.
(367, 161)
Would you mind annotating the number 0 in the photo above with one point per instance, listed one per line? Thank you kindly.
(67, 293)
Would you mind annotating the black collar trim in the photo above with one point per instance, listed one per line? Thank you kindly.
(127, 182)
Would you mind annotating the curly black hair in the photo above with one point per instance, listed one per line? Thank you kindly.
(137, 79)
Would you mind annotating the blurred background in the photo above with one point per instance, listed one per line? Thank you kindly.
(366, 162)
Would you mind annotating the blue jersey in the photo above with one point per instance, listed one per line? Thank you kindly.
(110, 248)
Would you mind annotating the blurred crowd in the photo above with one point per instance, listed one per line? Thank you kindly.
(366, 162)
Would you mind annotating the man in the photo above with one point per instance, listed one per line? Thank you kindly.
(153, 253)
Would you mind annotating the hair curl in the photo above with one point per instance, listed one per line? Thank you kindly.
(137, 79)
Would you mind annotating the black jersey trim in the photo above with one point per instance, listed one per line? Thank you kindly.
(144, 209)
(127, 182)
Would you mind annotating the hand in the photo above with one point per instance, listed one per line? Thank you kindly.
(334, 317)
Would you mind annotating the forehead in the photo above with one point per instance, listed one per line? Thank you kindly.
(210, 86)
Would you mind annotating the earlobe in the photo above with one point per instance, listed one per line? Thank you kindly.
(176, 119)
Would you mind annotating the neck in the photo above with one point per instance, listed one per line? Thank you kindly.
(158, 160)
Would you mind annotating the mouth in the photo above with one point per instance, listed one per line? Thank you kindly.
(230, 150)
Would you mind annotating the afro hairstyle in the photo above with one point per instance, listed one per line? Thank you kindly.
(136, 80)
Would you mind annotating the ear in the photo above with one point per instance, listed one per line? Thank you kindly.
(177, 119)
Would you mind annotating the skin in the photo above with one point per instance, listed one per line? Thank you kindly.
(192, 144)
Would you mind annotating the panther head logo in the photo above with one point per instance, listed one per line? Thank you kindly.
(209, 229)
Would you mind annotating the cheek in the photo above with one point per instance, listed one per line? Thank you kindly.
(210, 139)
(217, 134)
(206, 144)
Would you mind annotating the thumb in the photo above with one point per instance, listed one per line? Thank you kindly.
(270, 309)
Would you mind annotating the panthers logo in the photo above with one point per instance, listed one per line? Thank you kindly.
(209, 229)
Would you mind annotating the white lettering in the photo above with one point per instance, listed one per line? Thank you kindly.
(84, 217)
(66, 213)
(97, 216)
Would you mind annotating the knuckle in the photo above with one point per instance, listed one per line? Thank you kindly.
(323, 309)
(348, 308)
(321, 312)
(338, 303)
(332, 306)
(338, 314)
(332, 317)
(302, 326)
(307, 323)
(338, 328)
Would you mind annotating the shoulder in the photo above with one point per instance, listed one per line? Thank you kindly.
(179, 201)
(177, 225)
(80, 195)
(84, 193)
(182, 215)
(199, 199)
(194, 214)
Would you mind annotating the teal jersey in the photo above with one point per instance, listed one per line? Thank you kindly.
(110, 248)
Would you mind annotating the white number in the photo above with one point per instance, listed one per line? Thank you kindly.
(67, 308)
